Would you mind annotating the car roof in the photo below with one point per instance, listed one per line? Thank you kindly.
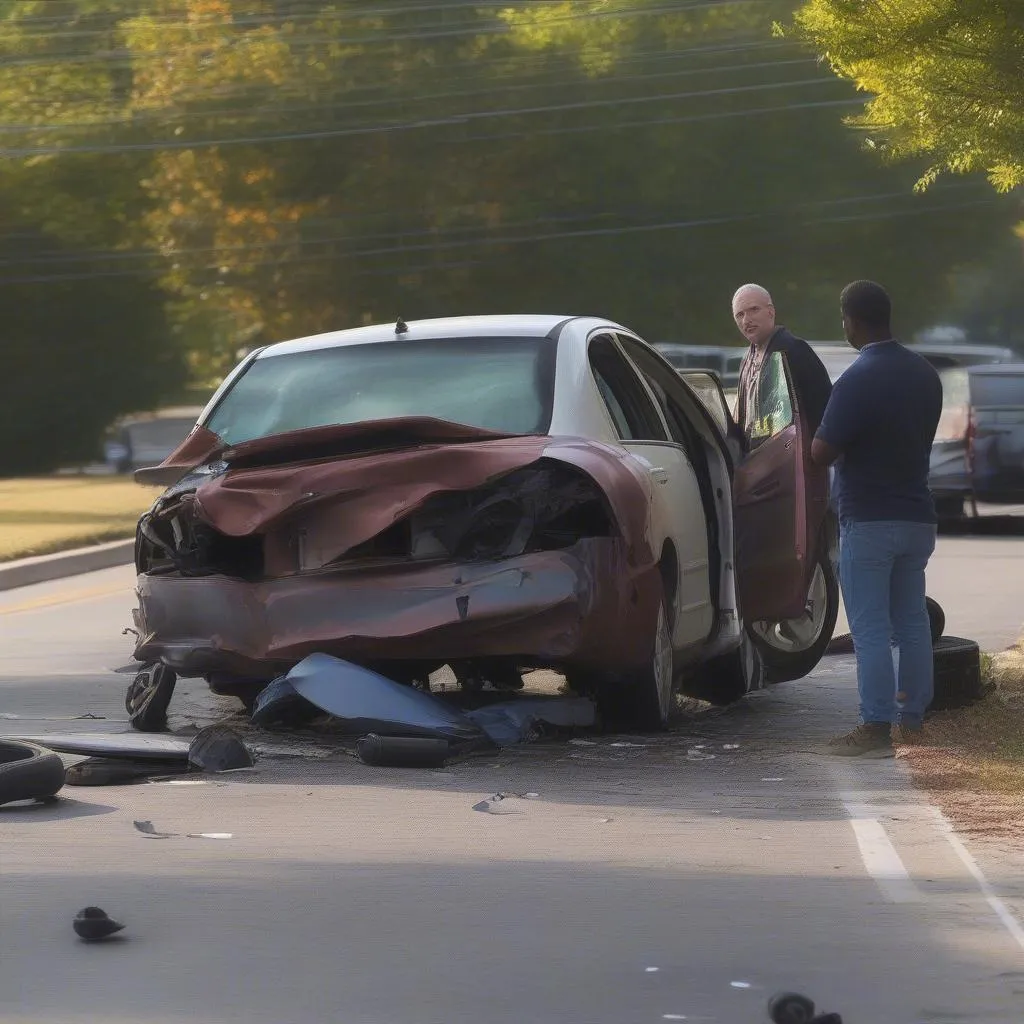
(495, 326)
(992, 369)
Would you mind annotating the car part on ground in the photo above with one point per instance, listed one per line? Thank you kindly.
(104, 771)
(402, 751)
(365, 702)
(219, 749)
(93, 925)
(149, 696)
(958, 682)
(792, 1008)
(792, 648)
(29, 772)
(124, 746)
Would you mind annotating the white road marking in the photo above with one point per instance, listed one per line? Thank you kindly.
(998, 905)
(877, 852)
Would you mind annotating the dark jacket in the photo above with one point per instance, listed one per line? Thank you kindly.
(808, 374)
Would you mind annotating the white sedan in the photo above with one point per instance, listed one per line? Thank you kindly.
(493, 493)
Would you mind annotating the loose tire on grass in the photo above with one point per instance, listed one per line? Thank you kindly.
(29, 772)
(957, 673)
(843, 644)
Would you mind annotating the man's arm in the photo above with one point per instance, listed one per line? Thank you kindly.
(841, 424)
(823, 453)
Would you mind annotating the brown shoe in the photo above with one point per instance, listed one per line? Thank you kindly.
(872, 738)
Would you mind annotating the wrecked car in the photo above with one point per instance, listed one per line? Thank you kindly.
(496, 494)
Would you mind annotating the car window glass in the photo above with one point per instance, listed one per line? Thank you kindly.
(990, 389)
(628, 403)
(500, 384)
(772, 404)
(664, 384)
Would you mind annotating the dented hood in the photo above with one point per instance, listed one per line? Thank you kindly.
(202, 445)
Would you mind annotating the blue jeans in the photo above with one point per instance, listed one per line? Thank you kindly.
(881, 568)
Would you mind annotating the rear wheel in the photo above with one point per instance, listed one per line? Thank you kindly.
(639, 700)
(793, 647)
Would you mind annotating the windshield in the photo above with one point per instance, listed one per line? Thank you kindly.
(499, 384)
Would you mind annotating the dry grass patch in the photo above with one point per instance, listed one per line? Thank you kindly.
(40, 516)
(972, 760)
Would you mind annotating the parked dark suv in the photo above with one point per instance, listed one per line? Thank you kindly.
(978, 453)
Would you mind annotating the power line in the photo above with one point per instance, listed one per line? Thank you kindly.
(437, 235)
(450, 120)
(431, 32)
(610, 232)
(135, 118)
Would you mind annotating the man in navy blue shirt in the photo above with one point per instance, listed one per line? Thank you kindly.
(878, 430)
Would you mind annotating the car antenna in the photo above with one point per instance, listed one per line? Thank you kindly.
(401, 327)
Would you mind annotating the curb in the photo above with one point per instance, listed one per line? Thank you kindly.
(41, 568)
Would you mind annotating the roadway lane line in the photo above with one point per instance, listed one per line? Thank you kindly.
(881, 861)
(998, 905)
(68, 597)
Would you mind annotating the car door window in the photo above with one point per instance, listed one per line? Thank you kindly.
(771, 408)
(628, 404)
(663, 382)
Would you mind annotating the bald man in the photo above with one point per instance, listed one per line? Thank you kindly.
(754, 313)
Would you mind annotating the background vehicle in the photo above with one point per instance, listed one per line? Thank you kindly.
(504, 492)
(978, 453)
(147, 439)
(838, 355)
(724, 360)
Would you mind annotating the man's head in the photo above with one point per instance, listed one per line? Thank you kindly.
(754, 313)
(867, 313)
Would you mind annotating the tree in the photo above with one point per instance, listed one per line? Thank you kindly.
(79, 350)
(945, 76)
(291, 166)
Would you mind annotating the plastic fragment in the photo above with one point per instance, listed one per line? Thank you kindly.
(93, 925)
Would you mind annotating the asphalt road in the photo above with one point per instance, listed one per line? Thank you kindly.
(680, 877)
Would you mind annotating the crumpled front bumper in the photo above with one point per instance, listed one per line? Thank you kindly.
(580, 606)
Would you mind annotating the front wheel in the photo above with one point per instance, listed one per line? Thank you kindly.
(793, 647)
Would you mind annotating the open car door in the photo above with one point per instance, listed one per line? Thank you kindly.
(780, 500)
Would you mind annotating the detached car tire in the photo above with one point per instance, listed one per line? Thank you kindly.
(957, 673)
(29, 772)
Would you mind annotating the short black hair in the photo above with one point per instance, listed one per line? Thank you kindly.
(867, 303)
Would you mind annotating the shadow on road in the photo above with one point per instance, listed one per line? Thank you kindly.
(984, 526)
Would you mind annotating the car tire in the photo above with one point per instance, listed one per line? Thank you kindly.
(957, 674)
(654, 686)
(784, 660)
(640, 700)
(29, 772)
(949, 510)
(843, 644)
(729, 677)
(148, 697)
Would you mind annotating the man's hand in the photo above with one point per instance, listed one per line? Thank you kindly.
(823, 453)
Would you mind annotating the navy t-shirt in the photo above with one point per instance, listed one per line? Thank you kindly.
(882, 417)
